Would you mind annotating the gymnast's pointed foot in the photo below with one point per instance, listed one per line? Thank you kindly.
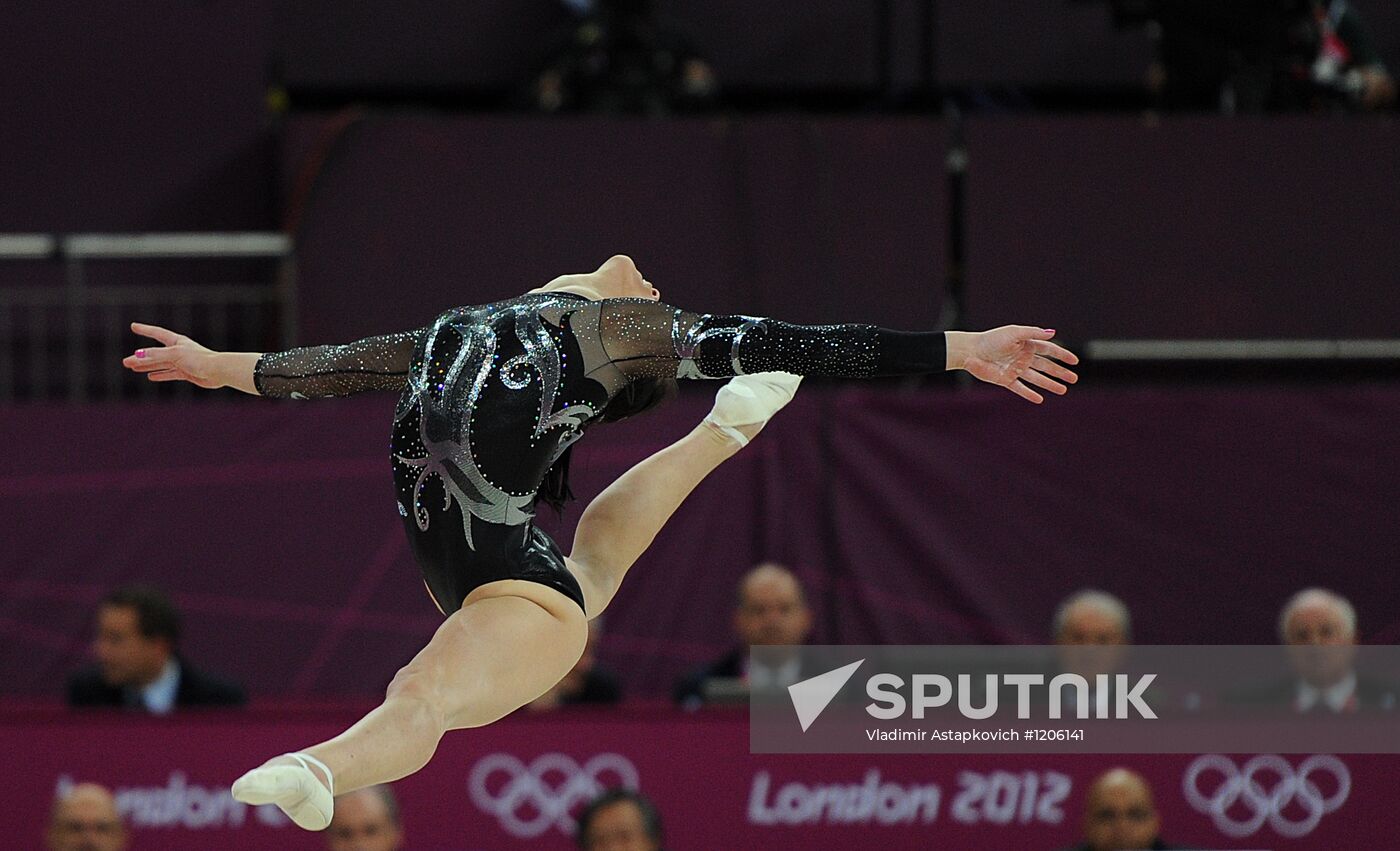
(289, 782)
(746, 403)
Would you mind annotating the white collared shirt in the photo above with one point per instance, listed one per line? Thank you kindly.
(158, 696)
(763, 677)
(1336, 696)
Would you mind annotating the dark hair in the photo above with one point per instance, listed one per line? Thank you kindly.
(637, 397)
(156, 616)
(651, 818)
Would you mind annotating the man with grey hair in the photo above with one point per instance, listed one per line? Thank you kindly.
(1091, 616)
(366, 820)
(1317, 616)
(1317, 627)
(85, 818)
(1092, 629)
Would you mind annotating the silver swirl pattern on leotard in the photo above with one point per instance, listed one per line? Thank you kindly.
(452, 457)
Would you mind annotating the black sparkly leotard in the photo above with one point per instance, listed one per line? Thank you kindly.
(492, 395)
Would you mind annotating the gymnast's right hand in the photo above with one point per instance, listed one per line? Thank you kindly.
(178, 358)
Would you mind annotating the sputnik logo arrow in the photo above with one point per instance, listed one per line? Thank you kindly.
(811, 696)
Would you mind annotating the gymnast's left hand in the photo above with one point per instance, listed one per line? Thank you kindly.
(178, 358)
(1015, 356)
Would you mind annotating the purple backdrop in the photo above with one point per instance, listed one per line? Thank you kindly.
(915, 517)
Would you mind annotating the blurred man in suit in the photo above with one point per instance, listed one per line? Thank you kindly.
(1319, 628)
(1119, 814)
(366, 820)
(1318, 631)
(138, 665)
(85, 818)
(771, 610)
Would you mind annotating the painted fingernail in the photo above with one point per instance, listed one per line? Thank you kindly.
(1049, 330)
(140, 353)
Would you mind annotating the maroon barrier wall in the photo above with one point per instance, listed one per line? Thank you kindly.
(917, 517)
(515, 784)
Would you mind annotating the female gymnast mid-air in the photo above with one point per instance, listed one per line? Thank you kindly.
(492, 398)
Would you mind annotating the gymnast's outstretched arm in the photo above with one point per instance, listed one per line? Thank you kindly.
(648, 338)
(374, 363)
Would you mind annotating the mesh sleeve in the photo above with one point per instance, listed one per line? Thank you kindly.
(646, 338)
(374, 363)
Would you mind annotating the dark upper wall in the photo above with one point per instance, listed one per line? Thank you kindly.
(151, 114)
(134, 116)
(1198, 227)
(809, 220)
(1101, 227)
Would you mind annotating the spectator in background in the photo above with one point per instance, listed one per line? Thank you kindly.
(1347, 58)
(621, 60)
(586, 683)
(619, 820)
(1318, 630)
(366, 820)
(1268, 56)
(1092, 629)
(1319, 627)
(85, 818)
(1092, 617)
(138, 663)
(771, 610)
(1119, 814)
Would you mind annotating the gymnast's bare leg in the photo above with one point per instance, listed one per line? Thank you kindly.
(512, 640)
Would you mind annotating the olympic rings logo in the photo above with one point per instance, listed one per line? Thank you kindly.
(1242, 787)
(533, 798)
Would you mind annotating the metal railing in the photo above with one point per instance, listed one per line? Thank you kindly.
(1244, 350)
(65, 339)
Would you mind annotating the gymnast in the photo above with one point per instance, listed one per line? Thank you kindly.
(492, 399)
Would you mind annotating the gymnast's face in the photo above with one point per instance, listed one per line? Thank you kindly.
(618, 278)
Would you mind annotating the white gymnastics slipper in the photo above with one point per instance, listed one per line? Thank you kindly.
(751, 400)
(295, 789)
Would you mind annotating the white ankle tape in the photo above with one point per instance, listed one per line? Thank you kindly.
(732, 433)
(304, 758)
